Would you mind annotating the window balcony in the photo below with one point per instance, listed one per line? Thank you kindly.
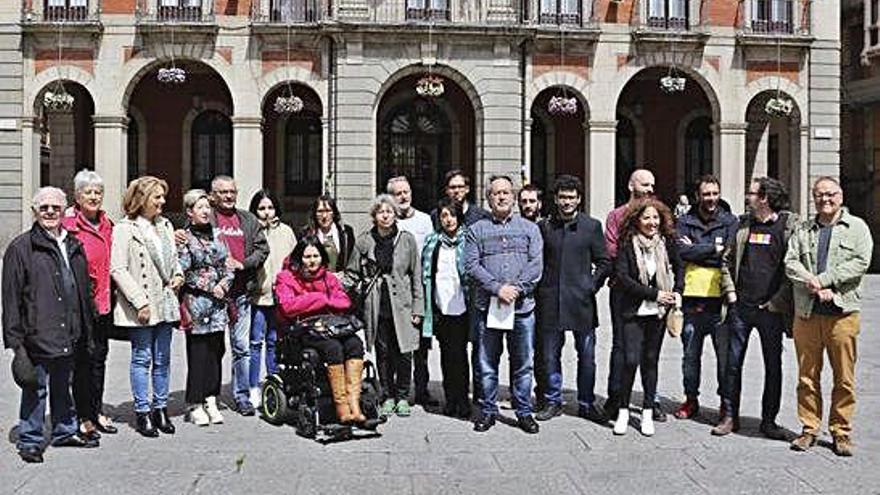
(660, 22)
(179, 12)
(871, 48)
(283, 12)
(567, 13)
(775, 22)
(75, 15)
(443, 13)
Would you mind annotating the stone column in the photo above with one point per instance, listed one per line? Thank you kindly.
(247, 152)
(30, 166)
(733, 164)
(802, 175)
(600, 181)
(326, 186)
(527, 152)
(111, 159)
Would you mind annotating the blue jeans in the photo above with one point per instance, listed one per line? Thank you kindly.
(697, 325)
(262, 328)
(585, 344)
(520, 349)
(57, 374)
(150, 348)
(240, 343)
(741, 320)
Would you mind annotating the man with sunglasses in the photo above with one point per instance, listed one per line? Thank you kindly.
(47, 308)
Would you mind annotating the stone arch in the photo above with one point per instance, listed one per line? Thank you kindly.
(572, 82)
(296, 76)
(45, 78)
(772, 83)
(137, 69)
(704, 79)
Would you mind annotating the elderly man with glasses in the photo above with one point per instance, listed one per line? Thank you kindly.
(47, 308)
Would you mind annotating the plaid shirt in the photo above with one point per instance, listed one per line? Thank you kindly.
(504, 252)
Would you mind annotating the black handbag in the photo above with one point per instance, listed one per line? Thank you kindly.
(329, 326)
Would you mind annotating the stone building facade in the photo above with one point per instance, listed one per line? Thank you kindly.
(353, 67)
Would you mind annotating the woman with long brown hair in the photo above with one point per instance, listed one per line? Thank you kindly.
(650, 277)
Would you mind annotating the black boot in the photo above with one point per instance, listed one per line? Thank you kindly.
(144, 425)
(162, 421)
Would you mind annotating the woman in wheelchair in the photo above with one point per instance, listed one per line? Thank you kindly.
(306, 288)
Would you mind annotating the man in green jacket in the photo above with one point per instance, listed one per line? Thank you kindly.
(827, 258)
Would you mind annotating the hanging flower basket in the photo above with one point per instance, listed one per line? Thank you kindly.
(672, 84)
(288, 104)
(779, 107)
(171, 75)
(561, 105)
(58, 99)
(430, 85)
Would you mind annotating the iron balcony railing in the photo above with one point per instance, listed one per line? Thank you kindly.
(289, 11)
(61, 11)
(175, 11)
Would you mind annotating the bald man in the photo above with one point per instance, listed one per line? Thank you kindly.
(641, 185)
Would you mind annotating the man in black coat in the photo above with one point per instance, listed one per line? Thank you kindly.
(575, 267)
(47, 308)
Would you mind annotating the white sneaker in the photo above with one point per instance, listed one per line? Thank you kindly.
(213, 413)
(198, 416)
(256, 396)
(648, 422)
(622, 421)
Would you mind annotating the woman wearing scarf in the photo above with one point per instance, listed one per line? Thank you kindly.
(394, 306)
(281, 241)
(446, 313)
(649, 275)
(144, 266)
(207, 280)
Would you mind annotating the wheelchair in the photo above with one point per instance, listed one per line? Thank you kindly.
(299, 393)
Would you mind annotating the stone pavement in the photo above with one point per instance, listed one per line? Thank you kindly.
(429, 453)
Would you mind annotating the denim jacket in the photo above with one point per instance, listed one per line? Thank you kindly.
(849, 255)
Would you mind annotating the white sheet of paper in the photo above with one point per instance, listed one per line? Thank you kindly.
(500, 315)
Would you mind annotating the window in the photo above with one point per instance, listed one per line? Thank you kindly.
(133, 148)
(66, 10)
(625, 161)
(772, 16)
(294, 11)
(303, 152)
(698, 150)
(211, 148)
(668, 14)
(560, 12)
(180, 10)
(436, 10)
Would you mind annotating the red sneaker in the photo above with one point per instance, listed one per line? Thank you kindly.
(688, 409)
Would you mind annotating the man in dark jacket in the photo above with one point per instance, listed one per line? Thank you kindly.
(575, 267)
(758, 295)
(703, 233)
(47, 308)
(241, 233)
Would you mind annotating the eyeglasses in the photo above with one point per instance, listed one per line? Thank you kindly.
(825, 195)
(50, 208)
(226, 192)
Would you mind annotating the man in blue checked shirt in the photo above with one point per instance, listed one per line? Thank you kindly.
(503, 257)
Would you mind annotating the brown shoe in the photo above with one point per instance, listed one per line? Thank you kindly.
(354, 370)
(336, 377)
(726, 426)
(803, 442)
(842, 446)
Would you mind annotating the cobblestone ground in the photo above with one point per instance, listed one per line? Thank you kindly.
(429, 453)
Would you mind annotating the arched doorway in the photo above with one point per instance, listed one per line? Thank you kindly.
(773, 144)
(678, 139)
(67, 139)
(558, 144)
(187, 129)
(293, 150)
(424, 137)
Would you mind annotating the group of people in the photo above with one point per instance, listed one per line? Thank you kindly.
(468, 276)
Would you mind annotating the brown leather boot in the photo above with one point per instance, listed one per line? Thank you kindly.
(354, 370)
(336, 376)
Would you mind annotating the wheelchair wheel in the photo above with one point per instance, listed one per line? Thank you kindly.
(306, 422)
(275, 407)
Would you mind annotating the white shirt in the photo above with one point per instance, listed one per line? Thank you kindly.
(334, 233)
(649, 308)
(449, 295)
(61, 245)
(419, 225)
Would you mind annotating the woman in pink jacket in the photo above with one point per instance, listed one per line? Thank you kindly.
(306, 288)
(89, 223)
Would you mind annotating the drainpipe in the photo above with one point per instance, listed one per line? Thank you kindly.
(331, 114)
(522, 110)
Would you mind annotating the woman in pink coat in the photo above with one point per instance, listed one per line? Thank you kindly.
(89, 223)
(306, 288)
